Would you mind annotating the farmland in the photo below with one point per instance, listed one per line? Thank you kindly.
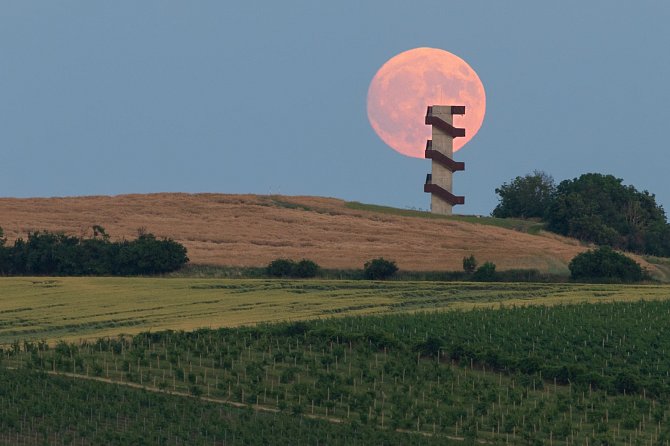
(583, 373)
(83, 308)
(252, 230)
(85, 412)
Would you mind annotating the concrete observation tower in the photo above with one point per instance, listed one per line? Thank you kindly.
(440, 150)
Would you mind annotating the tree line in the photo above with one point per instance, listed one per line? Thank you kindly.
(50, 253)
(594, 207)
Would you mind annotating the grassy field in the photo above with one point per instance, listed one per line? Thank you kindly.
(529, 226)
(85, 308)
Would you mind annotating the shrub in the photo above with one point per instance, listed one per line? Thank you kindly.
(379, 269)
(305, 268)
(280, 268)
(469, 264)
(148, 255)
(485, 273)
(48, 253)
(526, 275)
(605, 264)
(289, 268)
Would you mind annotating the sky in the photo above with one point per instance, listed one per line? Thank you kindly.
(106, 98)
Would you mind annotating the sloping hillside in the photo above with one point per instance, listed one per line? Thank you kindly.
(251, 230)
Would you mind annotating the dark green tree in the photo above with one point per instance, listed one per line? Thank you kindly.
(469, 264)
(280, 268)
(525, 197)
(147, 255)
(379, 269)
(605, 264)
(47, 253)
(600, 209)
(305, 268)
(485, 273)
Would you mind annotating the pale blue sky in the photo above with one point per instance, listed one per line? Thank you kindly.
(111, 97)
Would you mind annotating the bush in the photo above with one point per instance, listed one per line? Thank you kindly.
(379, 269)
(527, 275)
(48, 253)
(280, 268)
(305, 268)
(485, 273)
(469, 264)
(605, 264)
(289, 268)
(148, 255)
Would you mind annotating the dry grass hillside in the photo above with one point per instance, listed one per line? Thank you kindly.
(251, 230)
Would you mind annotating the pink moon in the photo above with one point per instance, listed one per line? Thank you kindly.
(409, 82)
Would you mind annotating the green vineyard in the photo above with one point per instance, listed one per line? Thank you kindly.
(565, 374)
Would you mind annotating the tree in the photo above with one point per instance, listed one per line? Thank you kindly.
(525, 197)
(469, 264)
(605, 264)
(379, 269)
(280, 268)
(147, 255)
(288, 268)
(485, 273)
(600, 209)
(47, 253)
(305, 268)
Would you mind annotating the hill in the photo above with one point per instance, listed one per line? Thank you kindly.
(252, 230)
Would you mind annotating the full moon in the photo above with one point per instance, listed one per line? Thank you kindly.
(411, 81)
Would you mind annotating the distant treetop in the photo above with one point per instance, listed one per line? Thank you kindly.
(594, 207)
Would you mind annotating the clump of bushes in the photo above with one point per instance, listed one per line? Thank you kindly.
(379, 269)
(485, 273)
(469, 264)
(303, 269)
(603, 264)
(280, 268)
(48, 253)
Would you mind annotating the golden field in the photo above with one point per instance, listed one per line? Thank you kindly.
(252, 230)
(84, 308)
